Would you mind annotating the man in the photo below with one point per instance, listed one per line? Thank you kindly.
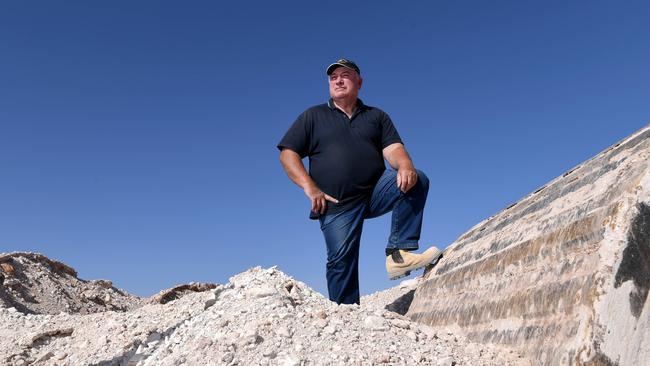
(346, 142)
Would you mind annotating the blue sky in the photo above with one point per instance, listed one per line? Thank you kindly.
(137, 139)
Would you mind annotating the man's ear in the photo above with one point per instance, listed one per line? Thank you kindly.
(360, 82)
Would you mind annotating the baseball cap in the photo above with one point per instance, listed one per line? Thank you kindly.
(344, 63)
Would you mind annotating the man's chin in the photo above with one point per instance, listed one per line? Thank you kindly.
(340, 95)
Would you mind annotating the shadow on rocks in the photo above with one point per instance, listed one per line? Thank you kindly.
(402, 304)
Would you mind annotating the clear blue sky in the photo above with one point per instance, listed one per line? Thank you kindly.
(137, 138)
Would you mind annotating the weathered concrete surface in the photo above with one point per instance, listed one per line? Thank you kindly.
(562, 275)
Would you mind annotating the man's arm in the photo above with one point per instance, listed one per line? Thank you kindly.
(294, 168)
(396, 155)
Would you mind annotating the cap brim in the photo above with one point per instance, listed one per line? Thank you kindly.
(333, 66)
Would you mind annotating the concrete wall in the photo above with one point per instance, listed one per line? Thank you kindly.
(562, 275)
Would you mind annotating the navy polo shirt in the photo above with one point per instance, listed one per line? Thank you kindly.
(345, 154)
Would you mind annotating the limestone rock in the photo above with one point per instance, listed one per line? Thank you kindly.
(375, 323)
(563, 275)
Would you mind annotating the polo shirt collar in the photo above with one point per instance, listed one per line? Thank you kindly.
(360, 105)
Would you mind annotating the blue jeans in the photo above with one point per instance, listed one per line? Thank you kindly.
(342, 231)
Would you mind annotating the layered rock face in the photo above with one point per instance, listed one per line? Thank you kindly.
(562, 275)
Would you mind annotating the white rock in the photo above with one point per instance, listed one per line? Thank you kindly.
(445, 361)
(320, 323)
(289, 360)
(410, 284)
(412, 336)
(373, 322)
(283, 332)
(400, 323)
(259, 292)
(243, 328)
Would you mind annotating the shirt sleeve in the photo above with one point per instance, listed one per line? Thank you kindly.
(389, 133)
(297, 137)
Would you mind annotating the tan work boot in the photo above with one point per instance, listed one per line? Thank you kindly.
(401, 262)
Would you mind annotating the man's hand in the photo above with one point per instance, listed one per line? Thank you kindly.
(406, 179)
(400, 160)
(296, 171)
(318, 199)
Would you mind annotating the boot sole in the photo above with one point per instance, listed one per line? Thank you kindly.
(398, 275)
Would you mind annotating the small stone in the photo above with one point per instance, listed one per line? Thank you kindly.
(223, 323)
(409, 284)
(428, 332)
(260, 292)
(209, 303)
(204, 342)
(330, 329)
(399, 323)
(155, 336)
(228, 357)
(45, 356)
(269, 353)
(290, 360)
(412, 336)
(251, 336)
(283, 332)
(445, 361)
(140, 350)
(320, 314)
(320, 323)
(375, 323)
(418, 357)
(383, 358)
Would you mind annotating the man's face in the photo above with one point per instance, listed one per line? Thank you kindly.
(344, 83)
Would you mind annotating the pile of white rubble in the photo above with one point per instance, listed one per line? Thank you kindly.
(261, 317)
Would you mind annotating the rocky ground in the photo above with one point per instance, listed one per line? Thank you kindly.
(261, 317)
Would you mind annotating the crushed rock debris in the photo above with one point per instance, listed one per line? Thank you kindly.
(261, 317)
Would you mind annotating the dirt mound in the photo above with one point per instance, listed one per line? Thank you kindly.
(34, 284)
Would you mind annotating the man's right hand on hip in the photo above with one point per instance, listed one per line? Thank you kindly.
(318, 199)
